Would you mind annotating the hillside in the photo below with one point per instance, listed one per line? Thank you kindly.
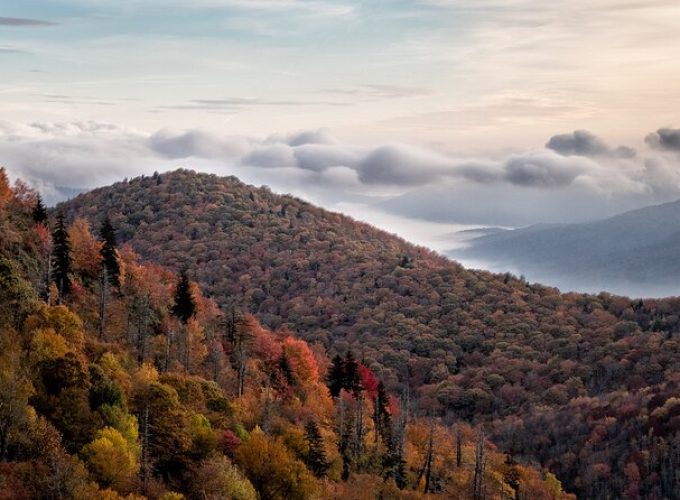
(129, 383)
(634, 252)
(583, 384)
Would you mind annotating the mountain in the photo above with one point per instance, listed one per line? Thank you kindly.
(138, 387)
(634, 253)
(584, 385)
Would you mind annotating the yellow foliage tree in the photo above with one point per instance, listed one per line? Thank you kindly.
(62, 320)
(6, 193)
(47, 344)
(196, 351)
(112, 459)
(273, 470)
(84, 249)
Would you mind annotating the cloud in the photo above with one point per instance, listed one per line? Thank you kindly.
(12, 50)
(543, 170)
(377, 92)
(321, 136)
(74, 155)
(235, 104)
(314, 7)
(584, 143)
(19, 22)
(665, 138)
(403, 165)
(196, 143)
(541, 185)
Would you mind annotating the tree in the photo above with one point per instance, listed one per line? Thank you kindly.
(381, 418)
(216, 478)
(273, 470)
(478, 484)
(352, 379)
(316, 456)
(39, 211)
(15, 390)
(109, 253)
(84, 250)
(165, 426)
(345, 374)
(61, 258)
(6, 193)
(17, 297)
(245, 332)
(184, 307)
(112, 458)
(336, 376)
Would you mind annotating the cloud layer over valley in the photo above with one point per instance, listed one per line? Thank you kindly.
(577, 176)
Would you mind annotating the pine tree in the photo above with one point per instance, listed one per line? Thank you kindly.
(39, 211)
(336, 376)
(344, 374)
(109, 253)
(352, 379)
(347, 429)
(316, 457)
(61, 258)
(286, 370)
(185, 305)
(382, 418)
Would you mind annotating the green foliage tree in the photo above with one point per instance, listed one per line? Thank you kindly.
(381, 418)
(17, 297)
(344, 374)
(61, 258)
(184, 306)
(336, 376)
(39, 213)
(315, 459)
(109, 252)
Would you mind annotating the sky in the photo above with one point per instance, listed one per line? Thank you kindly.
(421, 116)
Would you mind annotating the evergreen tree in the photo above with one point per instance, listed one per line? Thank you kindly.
(345, 443)
(316, 457)
(286, 370)
(382, 418)
(39, 211)
(352, 378)
(185, 305)
(109, 253)
(61, 258)
(344, 374)
(336, 376)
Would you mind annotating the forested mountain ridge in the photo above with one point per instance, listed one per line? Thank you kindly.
(120, 380)
(584, 384)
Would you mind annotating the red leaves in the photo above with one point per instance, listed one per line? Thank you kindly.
(230, 441)
(368, 381)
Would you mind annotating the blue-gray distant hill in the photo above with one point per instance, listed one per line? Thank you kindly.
(636, 253)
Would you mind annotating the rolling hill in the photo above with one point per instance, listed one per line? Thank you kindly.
(583, 384)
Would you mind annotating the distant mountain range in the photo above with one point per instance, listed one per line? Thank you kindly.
(635, 253)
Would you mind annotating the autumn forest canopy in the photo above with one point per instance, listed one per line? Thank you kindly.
(189, 336)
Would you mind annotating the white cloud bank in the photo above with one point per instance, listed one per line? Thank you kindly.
(576, 176)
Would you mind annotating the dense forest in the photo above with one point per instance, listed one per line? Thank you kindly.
(120, 378)
(583, 385)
